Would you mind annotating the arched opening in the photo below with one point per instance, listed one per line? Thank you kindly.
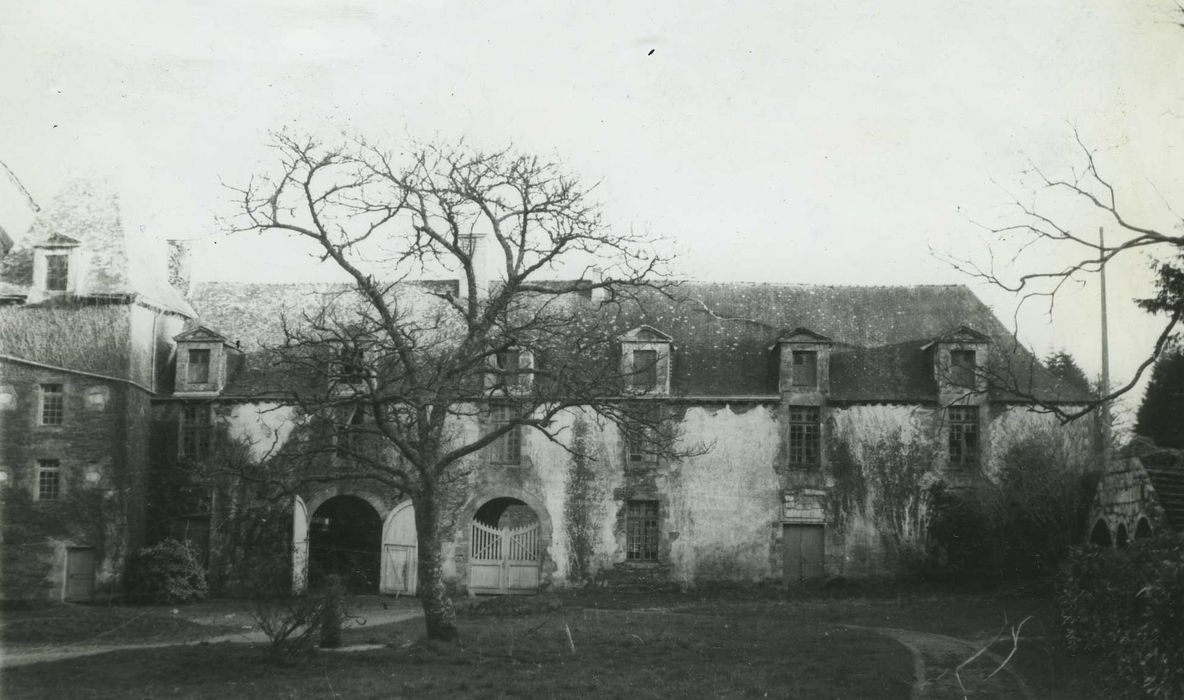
(1100, 535)
(345, 538)
(1120, 538)
(505, 548)
(1143, 529)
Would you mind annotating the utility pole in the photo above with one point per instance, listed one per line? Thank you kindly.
(1105, 388)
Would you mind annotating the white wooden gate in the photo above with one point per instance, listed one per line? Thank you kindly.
(400, 561)
(299, 546)
(504, 560)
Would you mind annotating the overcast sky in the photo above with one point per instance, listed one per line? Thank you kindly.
(816, 142)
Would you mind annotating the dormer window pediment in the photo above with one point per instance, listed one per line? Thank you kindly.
(646, 360)
(57, 266)
(959, 361)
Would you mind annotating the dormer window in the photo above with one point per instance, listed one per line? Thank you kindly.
(57, 272)
(805, 368)
(646, 361)
(352, 363)
(508, 361)
(199, 366)
(962, 368)
(512, 370)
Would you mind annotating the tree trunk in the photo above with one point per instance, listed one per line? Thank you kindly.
(438, 612)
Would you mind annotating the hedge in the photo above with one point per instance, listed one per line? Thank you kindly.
(1127, 606)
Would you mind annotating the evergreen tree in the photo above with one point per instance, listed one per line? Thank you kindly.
(1064, 367)
(1161, 415)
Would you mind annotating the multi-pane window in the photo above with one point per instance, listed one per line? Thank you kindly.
(804, 434)
(641, 531)
(805, 368)
(57, 272)
(964, 443)
(352, 361)
(349, 440)
(962, 369)
(53, 404)
(642, 437)
(645, 369)
(507, 449)
(508, 361)
(49, 479)
(199, 366)
(195, 431)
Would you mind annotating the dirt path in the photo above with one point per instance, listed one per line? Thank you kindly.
(936, 658)
(35, 655)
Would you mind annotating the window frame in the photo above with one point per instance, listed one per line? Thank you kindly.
(643, 535)
(46, 410)
(804, 444)
(59, 274)
(797, 381)
(642, 456)
(506, 448)
(197, 430)
(509, 376)
(963, 454)
(189, 371)
(644, 379)
(48, 467)
(963, 375)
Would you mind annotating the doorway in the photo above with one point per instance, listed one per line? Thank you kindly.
(345, 538)
(505, 548)
(804, 553)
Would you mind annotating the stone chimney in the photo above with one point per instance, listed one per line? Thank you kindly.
(180, 263)
(476, 246)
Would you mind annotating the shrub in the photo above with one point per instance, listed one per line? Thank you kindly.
(166, 572)
(1127, 605)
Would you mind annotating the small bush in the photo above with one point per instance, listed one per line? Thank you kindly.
(1127, 606)
(166, 572)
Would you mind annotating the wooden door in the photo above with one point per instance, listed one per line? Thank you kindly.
(804, 552)
(400, 547)
(80, 574)
(504, 561)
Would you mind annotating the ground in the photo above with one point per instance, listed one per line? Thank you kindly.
(719, 644)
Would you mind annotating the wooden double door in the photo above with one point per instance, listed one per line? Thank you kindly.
(804, 553)
(504, 560)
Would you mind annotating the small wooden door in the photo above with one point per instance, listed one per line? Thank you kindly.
(804, 553)
(504, 560)
(400, 547)
(80, 573)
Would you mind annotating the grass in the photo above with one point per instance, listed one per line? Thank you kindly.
(63, 623)
(713, 644)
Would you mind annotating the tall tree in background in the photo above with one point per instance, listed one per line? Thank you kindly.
(417, 371)
(1161, 415)
(1062, 365)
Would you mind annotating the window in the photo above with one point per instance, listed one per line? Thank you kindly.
(57, 272)
(199, 366)
(49, 479)
(962, 368)
(963, 437)
(53, 404)
(804, 434)
(507, 449)
(805, 368)
(352, 361)
(509, 361)
(195, 431)
(643, 436)
(349, 439)
(641, 531)
(645, 369)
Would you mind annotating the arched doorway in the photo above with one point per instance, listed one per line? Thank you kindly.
(1120, 537)
(1143, 529)
(344, 538)
(505, 548)
(400, 547)
(1100, 535)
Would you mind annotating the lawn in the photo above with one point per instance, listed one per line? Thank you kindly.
(664, 645)
(63, 623)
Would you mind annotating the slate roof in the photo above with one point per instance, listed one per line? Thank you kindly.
(120, 259)
(722, 334)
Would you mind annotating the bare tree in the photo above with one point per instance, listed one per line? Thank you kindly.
(411, 380)
(1042, 224)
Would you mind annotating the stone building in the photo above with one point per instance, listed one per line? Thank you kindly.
(829, 412)
(1141, 494)
(88, 308)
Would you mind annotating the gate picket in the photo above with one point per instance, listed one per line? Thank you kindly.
(504, 561)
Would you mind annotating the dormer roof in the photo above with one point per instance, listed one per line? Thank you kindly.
(961, 334)
(645, 334)
(803, 335)
(57, 240)
(200, 334)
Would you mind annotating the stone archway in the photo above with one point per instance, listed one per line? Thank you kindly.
(1100, 535)
(1143, 529)
(345, 538)
(507, 546)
